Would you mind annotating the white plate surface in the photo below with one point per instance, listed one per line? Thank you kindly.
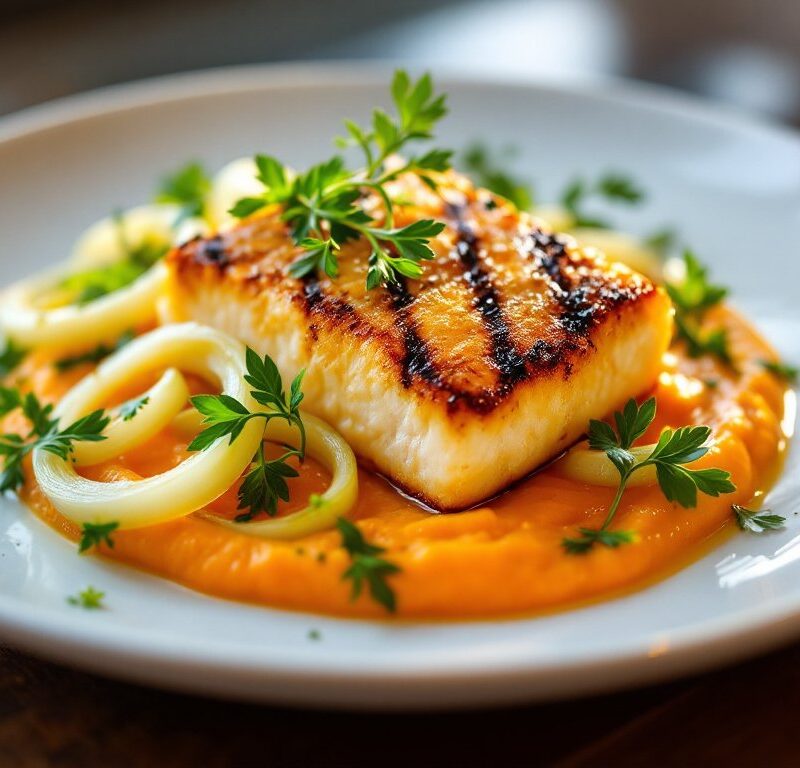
(730, 184)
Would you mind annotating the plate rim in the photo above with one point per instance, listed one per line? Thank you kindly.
(697, 646)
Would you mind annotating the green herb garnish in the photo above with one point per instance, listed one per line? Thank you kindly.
(367, 566)
(486, 171)
(95, 534)
(130, 408)
(89, 598)
(674, 449)
(781, 370)
(265, 483)
(692, 297)
(756, 521)
(696, 293)
(611, 187)
(44, 434)
(11, 357)
(322, 205)
(188, 187)
(100, 352)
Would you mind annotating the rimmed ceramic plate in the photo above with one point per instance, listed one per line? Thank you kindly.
(731, 186)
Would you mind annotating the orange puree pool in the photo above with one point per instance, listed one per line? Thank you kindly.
(503, 557)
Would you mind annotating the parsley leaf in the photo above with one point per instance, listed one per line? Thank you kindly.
(756, 521)
(613, 187)
(89, 598)
(11, 357)
(674, 449)
(487, 173)
(265, 482)
(44, 434)
(695, 293)
(95, 534)
(187, 187)
(367, 566)
(130, 408)
(100, 352)
(783, 371)
(580, 545)
(321, 204)
(692, 297)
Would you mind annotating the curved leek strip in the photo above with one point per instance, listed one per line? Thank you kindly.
(619, 246)
(198, 480)
(235, 180)
(69, 328)
(111, 239)
(330, 449)
(188, 423)
(159, 405)
(587, 466)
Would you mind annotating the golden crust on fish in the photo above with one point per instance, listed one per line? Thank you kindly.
(457, 384)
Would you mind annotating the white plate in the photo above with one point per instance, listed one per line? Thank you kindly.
(731, 185)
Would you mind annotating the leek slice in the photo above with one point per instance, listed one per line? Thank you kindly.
(585, 465)
(330, 449)
(111, 239)
(159, 406)
(181, 490)
(71, 328)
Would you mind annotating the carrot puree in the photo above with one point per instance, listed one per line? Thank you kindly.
(504, 557)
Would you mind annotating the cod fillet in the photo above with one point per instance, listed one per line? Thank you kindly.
(458, 384)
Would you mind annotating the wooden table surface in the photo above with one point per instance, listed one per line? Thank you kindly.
(743, 716)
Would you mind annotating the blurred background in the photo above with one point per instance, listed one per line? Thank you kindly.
(746, 52)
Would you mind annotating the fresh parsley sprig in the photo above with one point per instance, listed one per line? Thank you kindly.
(225, 416)
(674, 449)
(367, 566)
(95, 534)
(44, 434)
(756, 521)
(612, 187)
(321, 206)
(692, 298)
(90, 598)
(11, 357)
(188, 187)
(130, 408)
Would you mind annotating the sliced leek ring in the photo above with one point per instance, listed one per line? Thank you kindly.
(161, 403)
(324, 444)
(71, 328)
(109, 240)
(181, 490)
(585, 465)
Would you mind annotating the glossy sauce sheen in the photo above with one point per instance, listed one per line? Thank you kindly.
(503, 557)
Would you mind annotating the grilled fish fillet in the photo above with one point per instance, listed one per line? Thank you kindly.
(455, 385)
